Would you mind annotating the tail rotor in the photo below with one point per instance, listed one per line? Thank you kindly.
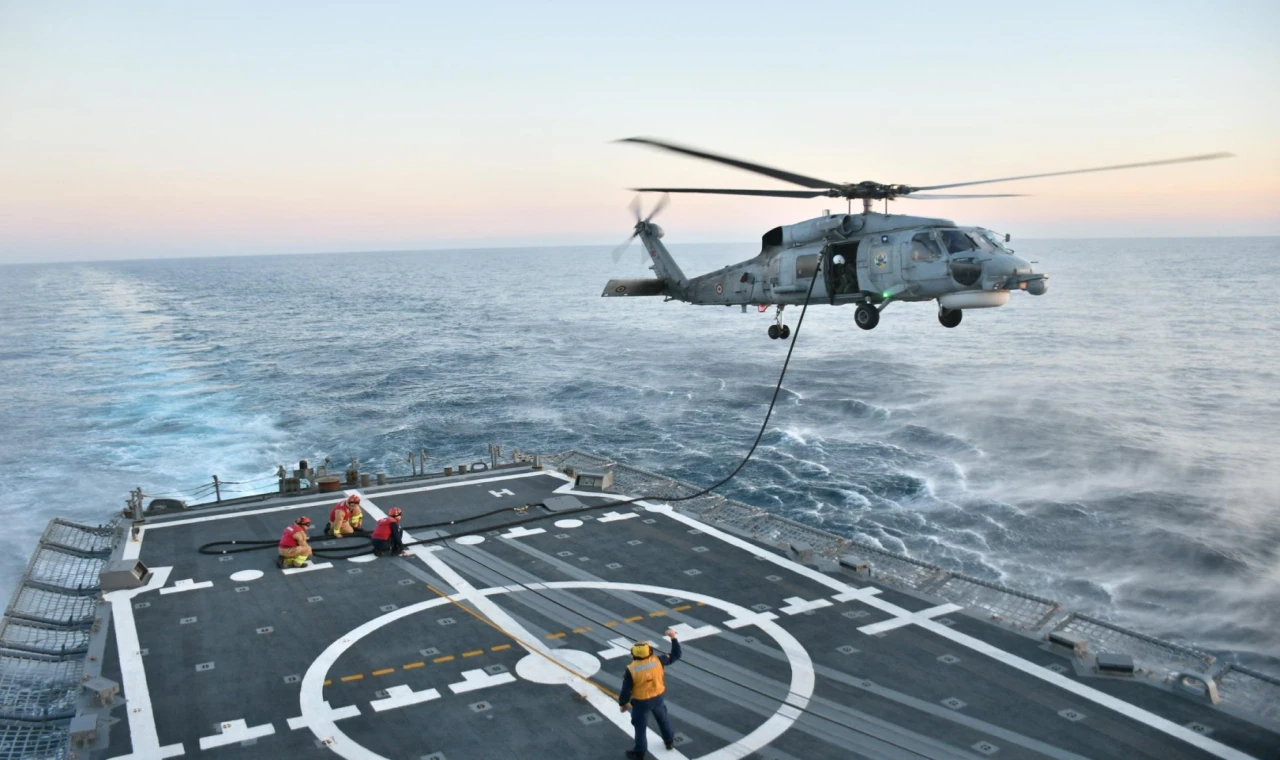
(642, 222)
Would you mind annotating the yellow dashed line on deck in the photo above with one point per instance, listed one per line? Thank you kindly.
(633, 619)
(582, 630)
(473, 653)
(446, 658)
(556, 635)
(683, 607)
(356, 677)
(326, 683)
(413, 665)
(384, 671)
(610, 623)
(499, 648)
(657, 613)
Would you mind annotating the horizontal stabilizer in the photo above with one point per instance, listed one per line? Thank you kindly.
(617, 288)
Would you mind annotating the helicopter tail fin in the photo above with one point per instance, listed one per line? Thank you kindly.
(663, 265)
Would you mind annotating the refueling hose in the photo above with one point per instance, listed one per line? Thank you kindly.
(366, 548)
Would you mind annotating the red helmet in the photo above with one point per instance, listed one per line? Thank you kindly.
(395, 512)
(304, 520)
(354, 498)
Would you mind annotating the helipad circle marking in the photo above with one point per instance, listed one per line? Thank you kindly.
(538, 669)
(363, 558)
(469, 540)
(318, 714)
(247, 575)
(568, 523)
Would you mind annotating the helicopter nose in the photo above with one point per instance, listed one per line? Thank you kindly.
(1000, 270)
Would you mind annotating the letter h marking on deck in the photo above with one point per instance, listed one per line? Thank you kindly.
(503, 492)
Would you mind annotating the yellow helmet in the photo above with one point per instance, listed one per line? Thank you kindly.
(640, 650)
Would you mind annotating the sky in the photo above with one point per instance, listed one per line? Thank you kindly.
(158, 129)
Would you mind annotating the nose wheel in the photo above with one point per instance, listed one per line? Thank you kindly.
(949, 317)
(779, 330)
(867, 316)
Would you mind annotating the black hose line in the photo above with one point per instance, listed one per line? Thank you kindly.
(366, 548)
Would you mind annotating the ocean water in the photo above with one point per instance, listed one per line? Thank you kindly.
(1111, 444)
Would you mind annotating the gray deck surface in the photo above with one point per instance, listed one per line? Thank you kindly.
(905, 693)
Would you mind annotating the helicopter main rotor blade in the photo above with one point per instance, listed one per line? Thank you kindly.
(724, 191)
(785, 176)
(634, 205)
(1184, 160)
(948, 196)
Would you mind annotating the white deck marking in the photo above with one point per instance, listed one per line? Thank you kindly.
(686, 632)
(469, 540)
(362, 558)
(799, 692)
(750, 618)
(503, 492)
(617, 648)
(796, 605)
(329, 713)
(234, 732)
(520, 532)
(1215, 748)
(478, 679)
(857, 594)
(247, 575)
(133, 674)
(186, 584)
(908, 618)
(615, 516)
(403, 696)
(307, 568)
(568, 523)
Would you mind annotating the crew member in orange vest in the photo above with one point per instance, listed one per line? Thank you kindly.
(642, 690)
(345, 517)
(386, 534)
(294, 549)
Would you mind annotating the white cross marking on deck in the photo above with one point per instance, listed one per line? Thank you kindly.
(307, 568)
(686, 632)
(478, 679)
(520, 531)
(503, 492)
(859, 594)
(753, 619)
(618, 647)
(908, 619)
(341, 713)
(185, 585)
(403, 696)
(234, 731)
(613, 516)
(796, 605)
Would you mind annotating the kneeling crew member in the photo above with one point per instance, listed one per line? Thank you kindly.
(643, 688)
(294, 549)
(387, 536)
(345, 517)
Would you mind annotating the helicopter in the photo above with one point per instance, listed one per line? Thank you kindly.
(868, 259)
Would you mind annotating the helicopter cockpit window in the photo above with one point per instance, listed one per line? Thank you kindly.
(956, 241)
(996, 240)
(924, 247)
(805, 266)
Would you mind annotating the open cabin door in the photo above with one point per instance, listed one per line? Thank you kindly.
(842, 279)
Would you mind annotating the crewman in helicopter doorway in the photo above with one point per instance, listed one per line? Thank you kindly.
(643, 690)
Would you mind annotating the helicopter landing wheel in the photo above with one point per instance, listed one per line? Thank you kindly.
(950, 317)
(785, 332)
(774, 332)
(866, 317)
